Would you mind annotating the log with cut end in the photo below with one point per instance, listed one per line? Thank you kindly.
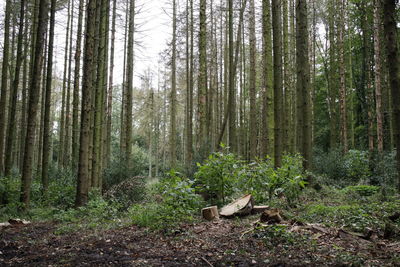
(241, 206)
(210, 213)
(259, 209)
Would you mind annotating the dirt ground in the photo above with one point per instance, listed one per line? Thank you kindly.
(218, 243)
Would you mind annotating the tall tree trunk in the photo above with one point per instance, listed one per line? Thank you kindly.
(25, 77)
(99, 96)
(122, 142)
(10, 138)
(61, 152)
(332, 83)
(232, 99)
(75, 100)
(47, 110)
(87, 88)
(278, 90)
(286, 84)
(252, 82)
(189, 85)
(303, 84)
(378, 73)
(172, 141)
(267, 109)
(202, 81)
(129, 88)
(390, 28)
(34, 93)
(67, 140)
(110, 82)
(342, 74)
(4, 80)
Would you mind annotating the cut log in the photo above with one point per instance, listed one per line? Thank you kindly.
(241, 206)
(18, 222)
(259, 209)
(210, 213)
(271, 216)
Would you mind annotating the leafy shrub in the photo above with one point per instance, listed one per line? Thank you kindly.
(219, 174)
(119, 170)
(173, 200)
(62, 189)
(356, 163)
(384, 169)
(224, 176)
(342, 170)
(97, 211)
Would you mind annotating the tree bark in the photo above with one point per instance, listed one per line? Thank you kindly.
(390, 28)
(252, 82)
(4, 80)
(10, 138)
(34, 92)
(278, 85)
(303, 84)
(87, 88)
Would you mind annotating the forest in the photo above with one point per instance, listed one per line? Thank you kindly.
(262, 133)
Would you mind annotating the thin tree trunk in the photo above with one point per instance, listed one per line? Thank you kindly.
(47, 110)
(342, 74)
(252, 82)
(172, 141)
(34, 93)
(129, 88)
(110, 83)
(67, 127)
(61, 152)
(10, 138)
(278, 90)
(378, 73)
(4, 80)
(75, 100)
(202, 81)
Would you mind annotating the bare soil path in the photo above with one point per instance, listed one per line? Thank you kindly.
(219, 243)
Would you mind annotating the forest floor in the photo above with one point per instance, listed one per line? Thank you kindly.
(225, 242)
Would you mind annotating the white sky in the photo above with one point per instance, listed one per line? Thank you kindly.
(152, 36)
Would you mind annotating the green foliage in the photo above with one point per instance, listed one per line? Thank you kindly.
(278, 235)
(224, 176)
(342, 170)
(355, 208)
(174, 200)
(62, 189)
(361, 190)
(384, 170)
(128, 192)
(356, 167)
(119, 170)
(356, 163)
(354, 217)
(219, 175)
(98, 212)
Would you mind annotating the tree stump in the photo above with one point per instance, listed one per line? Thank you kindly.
(210, 213)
